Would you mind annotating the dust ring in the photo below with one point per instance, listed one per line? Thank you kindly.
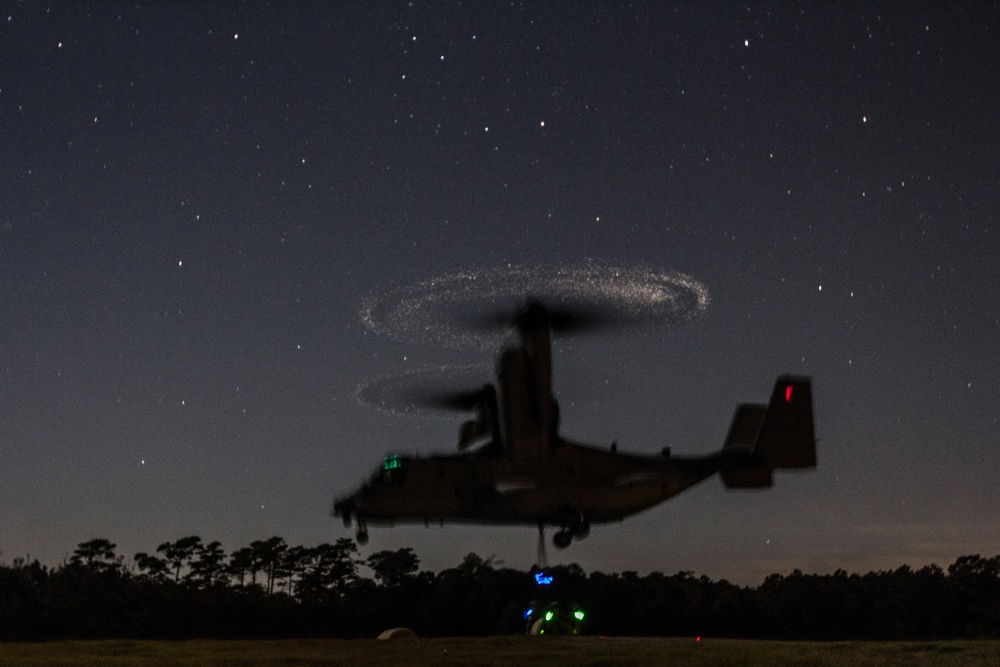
(435, 311)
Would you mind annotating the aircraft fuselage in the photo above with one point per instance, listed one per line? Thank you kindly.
(524, 472)
(575, 482)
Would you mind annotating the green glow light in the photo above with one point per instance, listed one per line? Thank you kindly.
(392, 462)
(548, 615)
(578, 615)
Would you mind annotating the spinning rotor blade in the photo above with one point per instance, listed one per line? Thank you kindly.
(449, 400)
(563, 316)
(428, 392)
(567, 318)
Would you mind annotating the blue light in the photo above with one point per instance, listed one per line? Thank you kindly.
(531, 610)
(541, 579)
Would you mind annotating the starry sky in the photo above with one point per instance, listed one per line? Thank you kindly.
(195, 201)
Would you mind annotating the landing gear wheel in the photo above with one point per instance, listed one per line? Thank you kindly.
(562, 539)
(362, 535)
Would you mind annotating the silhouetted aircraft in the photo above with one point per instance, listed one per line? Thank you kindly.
(513, 467)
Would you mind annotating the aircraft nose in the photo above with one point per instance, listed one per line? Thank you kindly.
(343, 506)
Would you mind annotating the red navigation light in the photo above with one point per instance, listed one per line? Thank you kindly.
(788, 394)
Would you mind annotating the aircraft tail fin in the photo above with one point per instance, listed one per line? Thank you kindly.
(778, 436)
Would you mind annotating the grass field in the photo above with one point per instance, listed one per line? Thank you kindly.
(514, 650)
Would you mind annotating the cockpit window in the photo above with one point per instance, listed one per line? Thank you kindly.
(393, 468)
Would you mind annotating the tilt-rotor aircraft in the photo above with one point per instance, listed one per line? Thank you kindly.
(514, 468)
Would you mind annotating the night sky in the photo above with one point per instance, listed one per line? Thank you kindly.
(196, 200)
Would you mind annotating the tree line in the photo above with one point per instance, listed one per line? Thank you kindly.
(192, 589)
